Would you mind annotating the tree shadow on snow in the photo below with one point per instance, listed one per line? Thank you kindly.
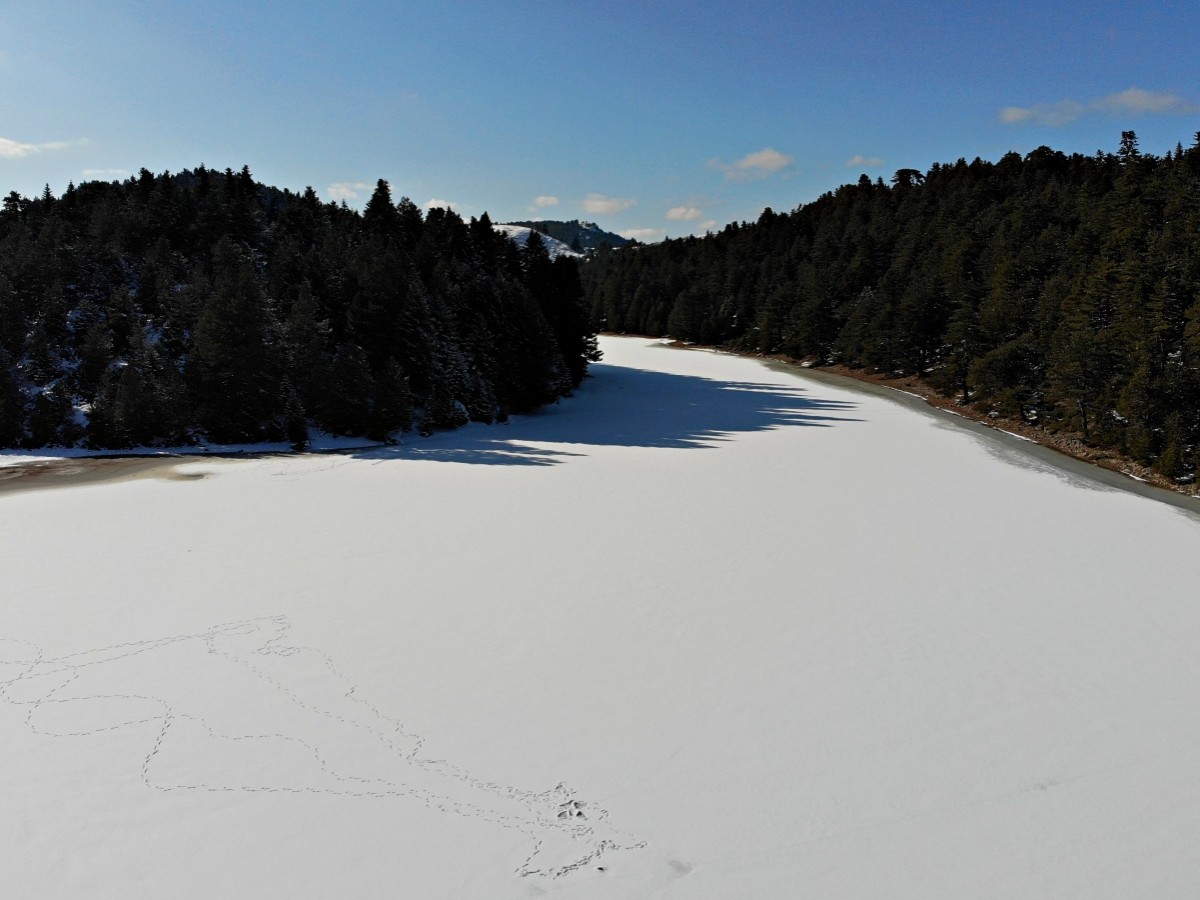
(623, 407)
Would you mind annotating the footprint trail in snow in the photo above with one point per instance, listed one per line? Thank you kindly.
(236, 708)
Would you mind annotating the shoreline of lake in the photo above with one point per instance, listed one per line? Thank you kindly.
(1061, 452)
(79, 471)
(76, 471)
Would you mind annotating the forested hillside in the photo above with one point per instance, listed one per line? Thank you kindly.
(580, 236)
(205, 306)
(1061, 289)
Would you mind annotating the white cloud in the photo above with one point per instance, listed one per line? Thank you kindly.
(686, 213)
(642, 234)
(600, 205)
(759, 164)
(1056, 114)
(706, 226)
(1132, 101)
(10, 149)
(858, 161)
(347, 190)
(1135, 100)
(545, 200)
(105, 173)
(1012, 115)
(462, 210)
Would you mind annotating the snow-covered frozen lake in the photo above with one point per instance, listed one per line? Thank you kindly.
(706, 630)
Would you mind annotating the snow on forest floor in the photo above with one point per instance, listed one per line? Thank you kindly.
(708, 629)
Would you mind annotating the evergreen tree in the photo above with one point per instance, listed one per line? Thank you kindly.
(348, 406)
(295, 423)
(233, 368)
(12, 411)
(204, 304)
(52, 420)
(380, 216)
(139, 402)
(392, 406)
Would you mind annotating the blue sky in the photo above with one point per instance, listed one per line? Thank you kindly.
(652, 119)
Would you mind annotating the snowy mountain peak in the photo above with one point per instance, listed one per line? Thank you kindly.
(520, 234)
(580, 236)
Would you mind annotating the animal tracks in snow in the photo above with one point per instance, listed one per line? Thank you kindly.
(237, 708)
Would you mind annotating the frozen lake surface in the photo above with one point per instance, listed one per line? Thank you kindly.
(706, 630)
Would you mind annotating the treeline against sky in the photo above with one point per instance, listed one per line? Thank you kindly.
(1062, 289)
(205, 306)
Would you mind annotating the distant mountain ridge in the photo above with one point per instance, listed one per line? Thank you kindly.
(519, 234)
(578, 235)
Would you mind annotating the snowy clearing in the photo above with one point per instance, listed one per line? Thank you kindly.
(709, 629)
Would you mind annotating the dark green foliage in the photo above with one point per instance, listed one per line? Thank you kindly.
(12, 411)
(392, 403)
(558, 292)
(51, 419)
(204, 305)
(1064, 289)
(234, 367)
(295, 424)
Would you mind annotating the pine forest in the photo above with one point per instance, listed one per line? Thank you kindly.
(1063, 290)
(204, 306)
